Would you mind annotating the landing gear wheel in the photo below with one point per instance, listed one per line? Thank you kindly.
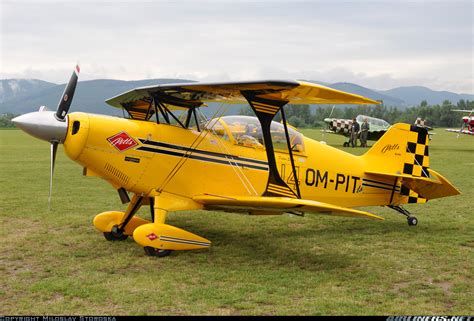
(109, 236)
(151, 251)
(346, 144)
(115, 235)
(412, 221)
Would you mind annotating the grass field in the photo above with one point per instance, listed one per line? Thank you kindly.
(55, 262)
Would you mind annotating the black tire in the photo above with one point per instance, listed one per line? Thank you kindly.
(151, 251)
(412, 221)
(346, 144)
(109, 236)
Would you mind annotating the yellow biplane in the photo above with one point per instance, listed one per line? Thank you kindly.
(166, 155)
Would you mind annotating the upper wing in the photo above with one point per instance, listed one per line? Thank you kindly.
(195, 94)
(463, 110)
(276, 205)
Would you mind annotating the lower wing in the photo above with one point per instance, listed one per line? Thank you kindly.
(464, 131)
(260, 205)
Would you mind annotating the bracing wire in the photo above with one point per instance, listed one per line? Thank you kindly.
(189, 152)
(237, 169)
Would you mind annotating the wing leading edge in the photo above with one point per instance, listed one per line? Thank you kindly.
(276, 205)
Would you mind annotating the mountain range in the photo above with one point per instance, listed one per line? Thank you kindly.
(20, 96)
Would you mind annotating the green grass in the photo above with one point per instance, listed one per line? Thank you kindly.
(55, 262)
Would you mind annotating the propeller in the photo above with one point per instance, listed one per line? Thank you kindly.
(54, 148)
(66, 99)
(328, 122)
(332, 110)
(63, 108)
(49, 125)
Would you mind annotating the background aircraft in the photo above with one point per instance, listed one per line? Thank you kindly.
(467, 127)
(235, 164)
(378, 127)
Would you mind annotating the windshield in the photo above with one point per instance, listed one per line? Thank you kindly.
(246, 131)
(373, 121)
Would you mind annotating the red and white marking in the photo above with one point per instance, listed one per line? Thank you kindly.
(122, 141)
(152, 236)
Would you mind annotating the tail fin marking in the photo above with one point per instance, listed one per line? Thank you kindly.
(402, 153)
(417, 159)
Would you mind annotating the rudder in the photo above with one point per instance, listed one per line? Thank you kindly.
(403, 149)
(402, 153)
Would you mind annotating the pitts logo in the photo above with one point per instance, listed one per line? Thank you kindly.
(390, 147)
(122, 141)
(152, 236)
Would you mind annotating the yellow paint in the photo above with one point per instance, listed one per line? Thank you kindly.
(330, 180)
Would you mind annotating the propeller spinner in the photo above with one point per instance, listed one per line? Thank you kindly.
(49, 125)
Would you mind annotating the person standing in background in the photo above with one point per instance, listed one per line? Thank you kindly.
(364, 131)
(354, 132)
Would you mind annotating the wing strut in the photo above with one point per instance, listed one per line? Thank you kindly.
(290, 151)
(265, 109)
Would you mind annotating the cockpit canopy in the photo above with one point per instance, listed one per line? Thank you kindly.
(246, 131)
(373, 121)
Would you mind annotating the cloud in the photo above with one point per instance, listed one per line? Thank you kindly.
(374, 43)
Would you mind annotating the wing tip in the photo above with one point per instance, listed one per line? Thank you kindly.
(376, 217)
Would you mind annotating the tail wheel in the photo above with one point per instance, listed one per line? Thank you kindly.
(151, 251)
(412, 221)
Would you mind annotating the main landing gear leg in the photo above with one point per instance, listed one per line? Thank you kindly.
(117, 232)
(158, 216)
(412, 220)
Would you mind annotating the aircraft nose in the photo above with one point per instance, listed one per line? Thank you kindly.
(42, 125)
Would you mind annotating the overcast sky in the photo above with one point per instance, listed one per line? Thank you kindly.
(378, 44)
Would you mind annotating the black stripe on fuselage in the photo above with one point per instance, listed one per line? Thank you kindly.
(381, 187)
(202, 158)
(200, 151)
(376, 182)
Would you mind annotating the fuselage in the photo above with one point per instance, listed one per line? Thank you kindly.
(147, 158)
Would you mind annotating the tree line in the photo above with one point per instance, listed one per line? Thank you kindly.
(313, 116)
(6, 120)
(435, 115)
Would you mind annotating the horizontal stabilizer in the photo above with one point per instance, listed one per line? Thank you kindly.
(276, 205)
(435, 186)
